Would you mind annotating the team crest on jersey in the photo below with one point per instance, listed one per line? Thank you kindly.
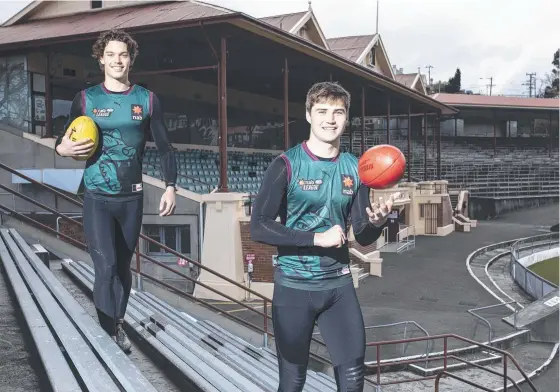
(102, 112)
(348, 184)
(137, 112)
(310, 185)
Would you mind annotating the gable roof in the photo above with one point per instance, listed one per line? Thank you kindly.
(286, 21)
(412, 80)
(22, 13)
(292, 23)
(351, 48)
(496, 101)
(356, 48)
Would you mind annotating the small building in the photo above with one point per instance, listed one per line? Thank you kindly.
(501, 120)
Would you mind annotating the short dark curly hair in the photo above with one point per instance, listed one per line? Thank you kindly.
(114, 35)
(327, 92)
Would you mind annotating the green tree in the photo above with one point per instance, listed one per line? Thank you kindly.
(454, 83)
(551, 89)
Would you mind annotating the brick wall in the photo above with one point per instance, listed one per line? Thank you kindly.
(263, 270)
(65, 227)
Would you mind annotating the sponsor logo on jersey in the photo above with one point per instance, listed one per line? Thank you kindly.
(136, 187)
(137, 112)
(310, 185)
(347, 184)
(102, 112)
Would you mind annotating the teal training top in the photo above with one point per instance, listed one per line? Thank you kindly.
(311, 195)
(123, 120)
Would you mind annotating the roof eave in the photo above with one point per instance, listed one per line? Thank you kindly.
(22, 13)
(19, 46)
(384, 81)
(478, 106)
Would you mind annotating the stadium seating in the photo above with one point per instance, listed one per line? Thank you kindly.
(513, 171)
(210, 356)
(199, 170)
(72, 347)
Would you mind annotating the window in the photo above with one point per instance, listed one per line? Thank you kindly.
(371, 58)
(177, 238)
(96, 4)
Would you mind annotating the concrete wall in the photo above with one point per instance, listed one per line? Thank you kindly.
(24, 151)
(489, 208)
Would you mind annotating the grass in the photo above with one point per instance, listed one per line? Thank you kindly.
(548, 269)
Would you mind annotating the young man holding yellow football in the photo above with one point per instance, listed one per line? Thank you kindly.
(113, 197)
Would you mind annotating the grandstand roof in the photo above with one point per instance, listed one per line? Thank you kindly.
(25, 32)
(485, 101)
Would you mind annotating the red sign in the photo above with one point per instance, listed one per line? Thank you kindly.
(249, 258)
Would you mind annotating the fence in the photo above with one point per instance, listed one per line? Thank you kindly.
(533, 284)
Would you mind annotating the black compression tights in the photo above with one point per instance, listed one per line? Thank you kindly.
(111, 229)
(341, 325)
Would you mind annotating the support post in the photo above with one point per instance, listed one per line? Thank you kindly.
(494, 122)
(455, 126)
(222, 88)
(409, 142)
(48, 99)
(550, 138)
(388, 119)
(438, 129)
(363, 142)
(286, 114)
(425, 146)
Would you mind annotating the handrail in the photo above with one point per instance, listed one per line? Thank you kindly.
(266, 300)
(429, 347)
(490, 329)
(378, 365)
(451, 375)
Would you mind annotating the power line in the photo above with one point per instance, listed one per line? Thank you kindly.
(490, 85)
(430, 75)
(532, 83)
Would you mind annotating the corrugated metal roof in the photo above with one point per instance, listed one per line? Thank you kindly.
(496, 101)
(350, 47)
(94, 22)
(286, 21)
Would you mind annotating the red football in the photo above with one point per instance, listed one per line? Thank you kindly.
(381, 166)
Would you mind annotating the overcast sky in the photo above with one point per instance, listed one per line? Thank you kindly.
(503, 39)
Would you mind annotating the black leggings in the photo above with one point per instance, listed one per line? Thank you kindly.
(341, 325)
(111, 228)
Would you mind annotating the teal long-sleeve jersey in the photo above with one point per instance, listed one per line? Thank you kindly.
(123, 120)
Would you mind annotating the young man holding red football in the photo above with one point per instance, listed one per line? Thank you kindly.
(113, 198)
(316, 189)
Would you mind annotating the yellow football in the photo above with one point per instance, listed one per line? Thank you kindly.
(81, 128)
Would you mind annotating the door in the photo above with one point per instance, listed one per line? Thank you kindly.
(430, 218)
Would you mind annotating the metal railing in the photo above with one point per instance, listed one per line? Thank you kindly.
(265, 329)
(506, 357)
(491, 333)
(429, 344)
(266, 301)
(534, 285)
(403, 238)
